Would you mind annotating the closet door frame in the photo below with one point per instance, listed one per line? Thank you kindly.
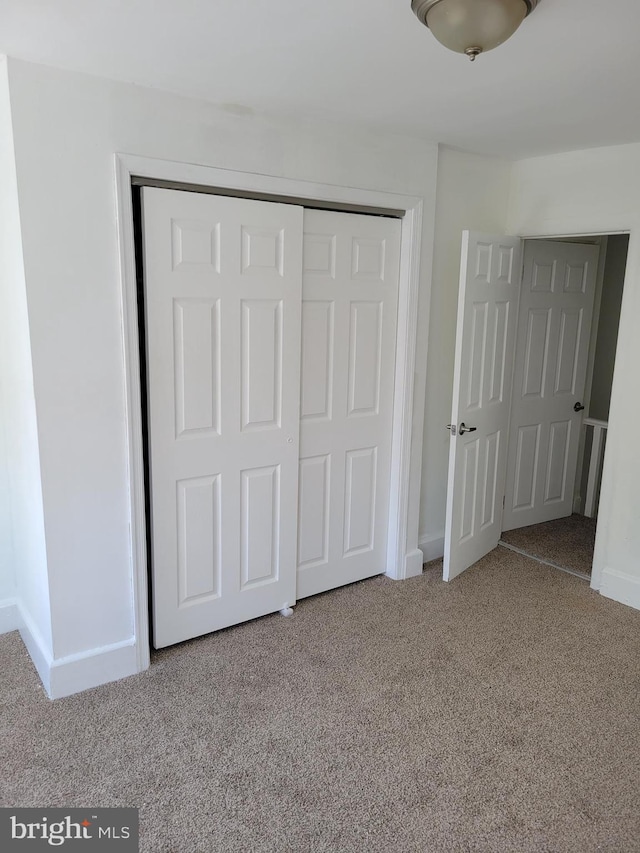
(404, 558)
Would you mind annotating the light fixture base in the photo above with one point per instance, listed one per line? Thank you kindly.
(472, 52)
(422, 8)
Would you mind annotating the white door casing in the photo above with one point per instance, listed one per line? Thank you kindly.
(487, 314)
(556, 307)
(349, 311)
(222, 301)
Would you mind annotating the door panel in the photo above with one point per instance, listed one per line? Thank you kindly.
(222, 300)
(558, 288)
(527, 454)
(559, 444)
(198, 506)
(260, 526)
(197, 365)
(317, 359)
(350, 294)
(360, 500)
(487, 311)
(313, 513)
(365, 345)
(261, 372)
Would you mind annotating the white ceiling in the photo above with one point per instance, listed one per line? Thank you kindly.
(567, 79)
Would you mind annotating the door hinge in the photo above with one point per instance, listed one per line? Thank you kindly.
(504, 497)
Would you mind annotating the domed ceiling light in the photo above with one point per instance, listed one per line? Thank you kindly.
(472, 26)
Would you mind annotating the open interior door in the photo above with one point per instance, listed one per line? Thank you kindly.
(490, 273)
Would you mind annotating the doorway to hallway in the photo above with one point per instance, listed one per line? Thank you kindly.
(541, 460)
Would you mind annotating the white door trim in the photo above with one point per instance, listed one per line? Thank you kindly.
(404, 559)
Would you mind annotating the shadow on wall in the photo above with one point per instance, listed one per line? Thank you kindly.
(605, 352)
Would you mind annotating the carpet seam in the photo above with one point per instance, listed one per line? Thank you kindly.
(553, 565)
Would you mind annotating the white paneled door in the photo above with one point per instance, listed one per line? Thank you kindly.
(222, 299)
(558, 288)
(487, 315)
(349, 309)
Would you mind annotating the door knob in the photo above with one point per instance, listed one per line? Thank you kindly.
(578, 407)
(464, 428)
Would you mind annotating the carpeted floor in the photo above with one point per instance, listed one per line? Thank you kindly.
(500, 712)
(567, 542)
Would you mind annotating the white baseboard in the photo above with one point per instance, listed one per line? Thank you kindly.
(620, 587)
(432, 547)
(413, 564)
(9, 616)
(76, 673)
(91, 669)
(38, 651)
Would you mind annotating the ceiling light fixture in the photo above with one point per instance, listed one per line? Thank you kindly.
(472, 26)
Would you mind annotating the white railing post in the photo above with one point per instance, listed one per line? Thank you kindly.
(599, 428)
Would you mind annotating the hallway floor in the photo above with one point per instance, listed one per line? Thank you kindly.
(566, 543)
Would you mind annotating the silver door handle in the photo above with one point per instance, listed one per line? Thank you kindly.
(464, 429)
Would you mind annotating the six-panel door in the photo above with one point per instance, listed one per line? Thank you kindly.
(349, 308)
(222, 300)
(558, 288)
(487, 312)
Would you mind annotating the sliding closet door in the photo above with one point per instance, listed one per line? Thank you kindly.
(222, 300)
(350, 296)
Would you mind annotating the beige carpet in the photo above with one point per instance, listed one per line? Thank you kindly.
(496, 713)
(567, 542)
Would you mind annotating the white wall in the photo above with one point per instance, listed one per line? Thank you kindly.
(23, 570)
(472, 193)
(598, 191)
(8, 615)
(67, 127)
(8, 199)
